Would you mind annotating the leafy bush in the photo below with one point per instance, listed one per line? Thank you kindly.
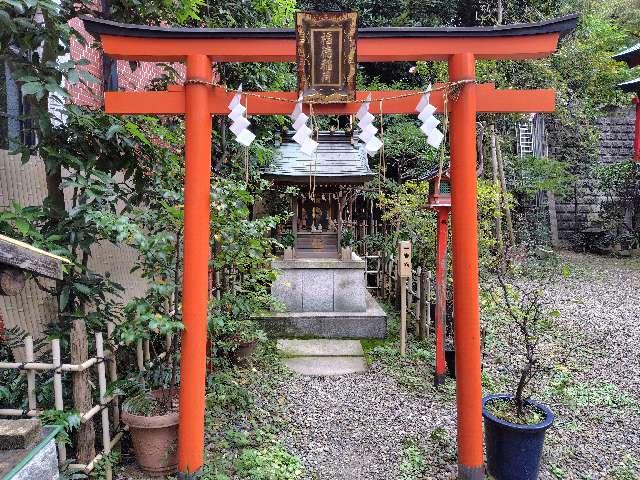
(270, 463)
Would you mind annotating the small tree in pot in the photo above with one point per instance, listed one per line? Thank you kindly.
(515, 425)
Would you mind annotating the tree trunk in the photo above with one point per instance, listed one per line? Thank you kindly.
(480, 149)
(424, 300)
(505, 204)
(496, 181)
(82, 399)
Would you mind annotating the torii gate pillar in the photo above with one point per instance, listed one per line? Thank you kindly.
(464, 233)
(197, 217)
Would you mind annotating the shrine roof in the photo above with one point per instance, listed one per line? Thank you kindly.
(630, 86)
(631, 56)
(98, 27)
(432, 174)
(336, 161)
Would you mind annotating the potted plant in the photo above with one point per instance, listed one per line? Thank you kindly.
(150, 408)
(152, 418)
(231, 324)
(515, 425)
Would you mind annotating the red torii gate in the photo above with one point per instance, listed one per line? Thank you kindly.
(198, 100)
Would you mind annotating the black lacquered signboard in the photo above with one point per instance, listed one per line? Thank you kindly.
(326, 54)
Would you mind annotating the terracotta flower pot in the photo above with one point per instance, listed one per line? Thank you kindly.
(155, 442)
(243, 351)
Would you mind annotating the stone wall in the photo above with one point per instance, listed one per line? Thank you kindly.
(580, 210)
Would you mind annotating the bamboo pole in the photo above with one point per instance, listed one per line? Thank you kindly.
(113, 376)
(102, 386)
(16, 412)
(65, 367)
(31, 374)
(57, 390)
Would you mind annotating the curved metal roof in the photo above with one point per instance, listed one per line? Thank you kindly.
(630, 86)
(98, 26)
(337, 161)
(631, 56)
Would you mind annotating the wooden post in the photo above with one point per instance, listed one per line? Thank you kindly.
(465, 269)
(441, 292)
(102, 388)
(403, 315)
(496, 181)
(503, 194)
(403, 274)
(424, 301)
(553, 218)
(418, 302)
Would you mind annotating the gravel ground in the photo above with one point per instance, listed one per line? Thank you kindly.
(358, 427)
(355, 427)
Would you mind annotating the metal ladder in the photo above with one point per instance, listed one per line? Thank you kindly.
(525, 138)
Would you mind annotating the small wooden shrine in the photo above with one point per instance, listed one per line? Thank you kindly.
(338, 166)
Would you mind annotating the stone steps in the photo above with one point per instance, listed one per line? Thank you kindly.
(371, 323)
(322, 357)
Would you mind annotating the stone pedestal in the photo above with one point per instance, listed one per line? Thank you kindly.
(324, 298)
(321, 285)
(27, 450)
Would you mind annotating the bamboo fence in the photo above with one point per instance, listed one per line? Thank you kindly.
(108, 406)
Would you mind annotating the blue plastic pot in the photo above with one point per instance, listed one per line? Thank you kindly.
(514, 451)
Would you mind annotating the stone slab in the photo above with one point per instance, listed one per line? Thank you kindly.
(326, 366)
(317, 290)
(320, 263)
(38, 461)
(19, 433)
(369, 324)
(288, 289)
(320, 348)
(349, 291)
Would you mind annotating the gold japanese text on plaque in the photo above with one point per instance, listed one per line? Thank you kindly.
(326, 51)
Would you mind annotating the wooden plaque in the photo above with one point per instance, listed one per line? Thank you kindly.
(326, 54)
(404, 259)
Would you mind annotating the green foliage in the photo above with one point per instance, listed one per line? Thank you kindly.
(530, 175)
(579, 395)
(270, 463)
(230, 318)
(621, 184)
(413, 462)
(107, 463)
(404, 207)
(516, 311)
(69, 420)
(628, 469)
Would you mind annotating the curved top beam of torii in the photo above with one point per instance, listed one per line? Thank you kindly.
(151, 43)
(168, 44)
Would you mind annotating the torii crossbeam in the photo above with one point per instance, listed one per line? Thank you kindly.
(197, 101)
